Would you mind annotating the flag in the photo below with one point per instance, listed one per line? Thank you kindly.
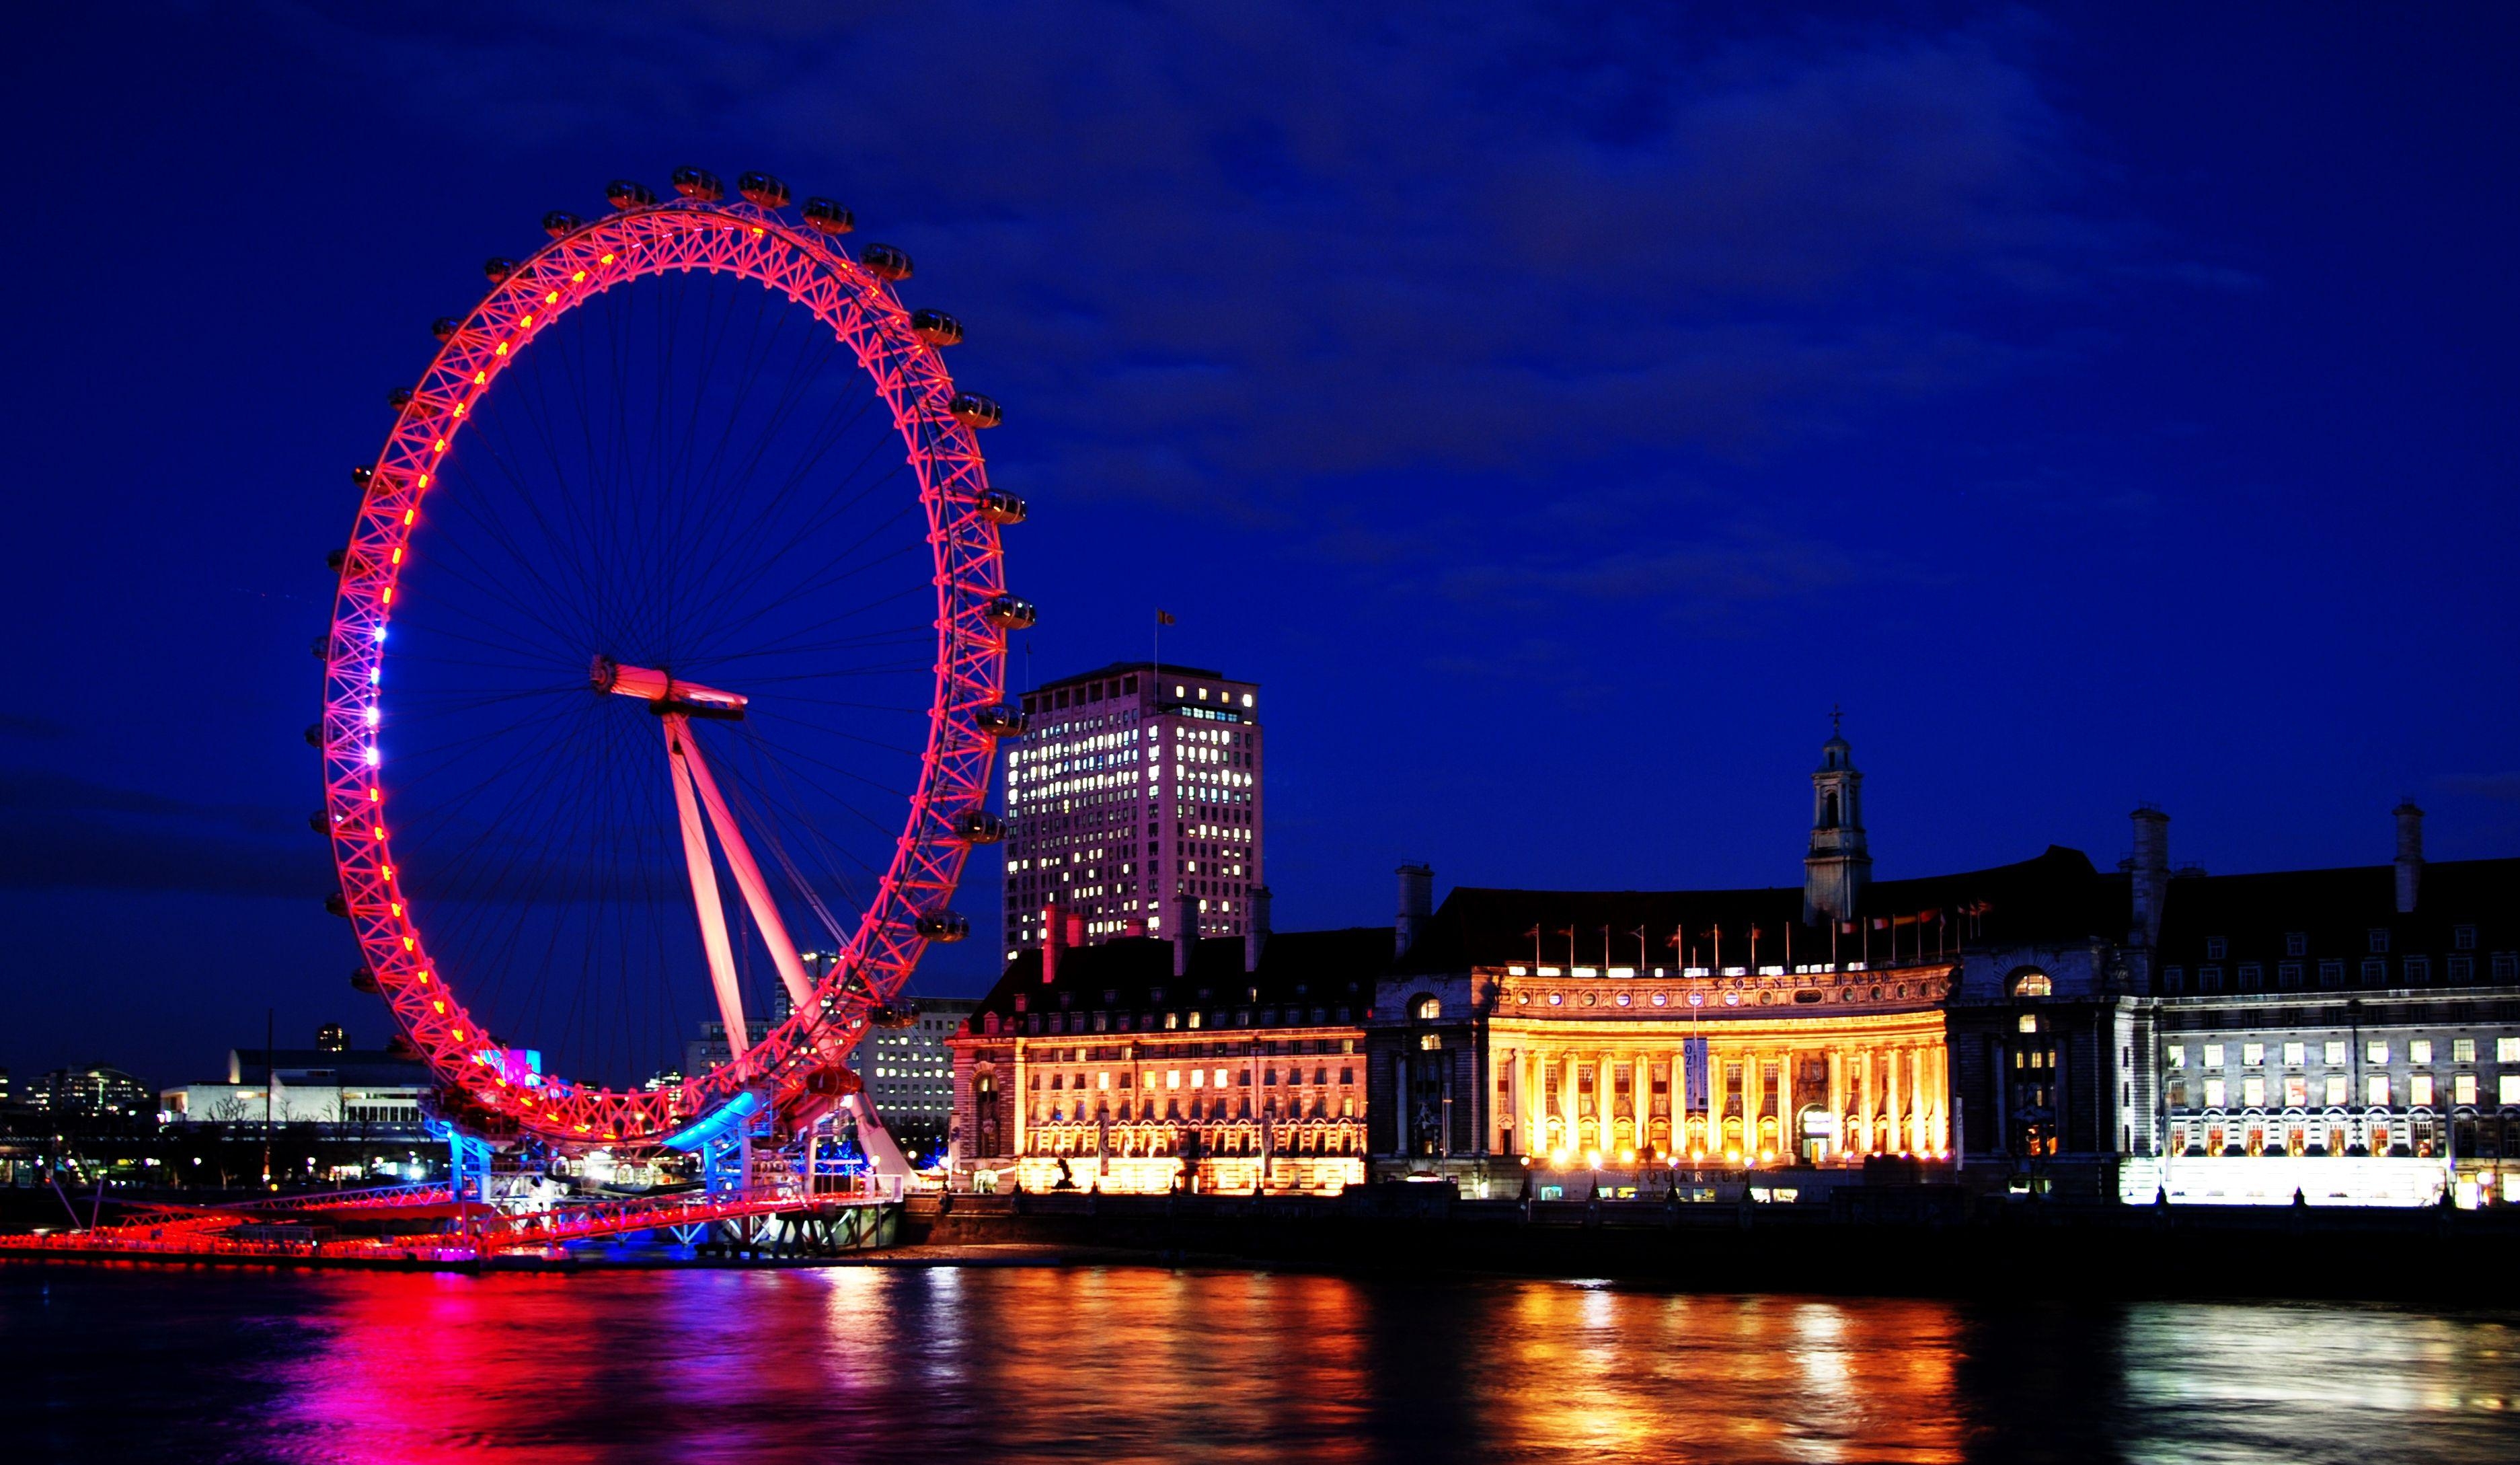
(1165, 618)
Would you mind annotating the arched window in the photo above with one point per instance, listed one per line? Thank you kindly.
(1427, 1009)
(1828, 806)
(2033, 983)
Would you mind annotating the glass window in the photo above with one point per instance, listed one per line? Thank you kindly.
(2296, 1091)
(2462, 1050)
(2213, 1093)
(2175, 1056)
(2293, 1054)
(2464, 937)
(2252, 1053)
(2376, 1050)
(2296, 943)
(2419, 1050)
(2380, 936)
(2377, 1088)
(2506, 1050)
(2510, 1085)
(2462, 1089)
(2420, 1088)
(2331, 974)
(2216, 947)
(2213, 1055)
(2253, 1090)
(2288, 974)
(2336, 1089)
(2335, 1050)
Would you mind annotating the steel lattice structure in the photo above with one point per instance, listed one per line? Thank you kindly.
(799, 1065)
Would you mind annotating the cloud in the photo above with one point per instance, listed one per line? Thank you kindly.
(57, 831)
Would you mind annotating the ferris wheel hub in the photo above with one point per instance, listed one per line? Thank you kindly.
(664, 694)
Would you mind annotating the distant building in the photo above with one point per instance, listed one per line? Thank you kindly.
(95, 1089)
(909, 1073)
(331, 1086)
(1141, 1065)
(1134, 784)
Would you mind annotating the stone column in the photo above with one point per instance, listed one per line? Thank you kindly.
(1566, 1102)
(1753, 1062)
(1867, 1060)
(1837, 1102)
(1895, 1098)
(1534, 1113)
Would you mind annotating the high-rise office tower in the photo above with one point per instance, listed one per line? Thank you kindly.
(1135, 786)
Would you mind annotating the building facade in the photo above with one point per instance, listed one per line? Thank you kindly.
(909, 1072)
(1134, 784)
(2345, 1034)
(325, 1085)
(1140, 1064)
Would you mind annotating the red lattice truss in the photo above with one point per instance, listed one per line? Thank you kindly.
(862, 310)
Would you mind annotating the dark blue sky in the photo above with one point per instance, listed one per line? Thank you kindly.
(1556, 409)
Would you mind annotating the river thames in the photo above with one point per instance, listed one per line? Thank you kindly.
(1143, 1363)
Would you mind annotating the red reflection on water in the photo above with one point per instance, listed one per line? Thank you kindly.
(1107, 1364)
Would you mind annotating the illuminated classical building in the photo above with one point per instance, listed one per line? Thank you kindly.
(1137, 1064)
(1134, 784)
(1612, 1033)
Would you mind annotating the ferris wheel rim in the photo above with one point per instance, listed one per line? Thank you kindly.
(937, 425)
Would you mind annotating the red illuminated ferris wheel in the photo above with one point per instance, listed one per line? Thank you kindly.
(666, 668)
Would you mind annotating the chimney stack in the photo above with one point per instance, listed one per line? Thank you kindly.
(1255, 927)
(1417, 902)
(1075, 930)
(2151, 869)
(1053, 934)
(2410, 853)
(1185, 931)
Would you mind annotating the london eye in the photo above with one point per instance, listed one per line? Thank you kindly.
(665, 670)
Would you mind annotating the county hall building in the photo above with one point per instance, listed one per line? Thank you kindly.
(2347, 1036)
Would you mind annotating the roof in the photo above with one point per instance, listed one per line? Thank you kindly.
(374, 1067)
(2337, 909)
(1336, 968)
(2056, 896)
(1119, 668)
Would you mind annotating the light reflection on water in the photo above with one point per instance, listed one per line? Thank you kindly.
(1127, 1365)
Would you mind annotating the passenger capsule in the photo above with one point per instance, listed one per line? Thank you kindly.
(830, 217)
(936, 328)
(944, 925)
(621, 193)
(978, 826)
(363, 981)
(998, 506)
(699, 184)
(762, 190)
(315, 739)
(334, 559)
(884, 262)
(322, 649)
(443, 328)
(317, 822)
(337, 905)
(1012, 613)
(361, 474)
(974, 410)
(1000, 722)
(559, 223)
(498, 267)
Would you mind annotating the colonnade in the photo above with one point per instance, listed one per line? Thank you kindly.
(1884, 1096)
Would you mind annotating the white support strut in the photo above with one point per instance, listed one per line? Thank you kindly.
(748, 879)
(704, 895)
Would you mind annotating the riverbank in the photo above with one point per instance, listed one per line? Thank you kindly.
(1926, 1241)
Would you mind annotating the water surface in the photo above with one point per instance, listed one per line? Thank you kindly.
(1131, 1364)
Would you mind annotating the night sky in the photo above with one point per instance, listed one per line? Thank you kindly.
(1556, 409)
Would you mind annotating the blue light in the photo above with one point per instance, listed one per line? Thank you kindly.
(715, 1124)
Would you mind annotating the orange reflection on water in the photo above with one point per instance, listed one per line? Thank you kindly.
(1603, 1372)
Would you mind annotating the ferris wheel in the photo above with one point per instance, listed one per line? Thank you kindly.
(666, 668)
